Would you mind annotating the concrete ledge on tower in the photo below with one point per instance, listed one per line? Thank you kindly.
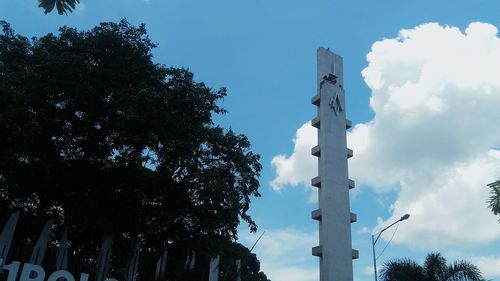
(354, 217)
(316, 181)
(316, 100)
(317, 251)
(355, 254)
(348, 124)
(316, 214)
(316, 151)
(351, 184)
(315, 122)
(349, 153)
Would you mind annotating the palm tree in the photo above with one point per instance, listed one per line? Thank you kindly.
(434, 269)
(494, 200)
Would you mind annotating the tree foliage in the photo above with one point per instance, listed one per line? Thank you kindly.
(494, 200)
(250, 269)
(229, 252)
(434, 269)
(99, 137)
(62, 6)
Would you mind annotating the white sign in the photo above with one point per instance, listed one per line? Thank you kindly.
(33, 272)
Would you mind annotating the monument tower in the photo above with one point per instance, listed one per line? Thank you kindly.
(335, 250)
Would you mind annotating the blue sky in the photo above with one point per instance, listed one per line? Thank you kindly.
(425, 144)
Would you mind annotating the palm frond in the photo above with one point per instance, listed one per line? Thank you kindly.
(401, 270)
(434, 269)
(63, 6)
(463, 271)
(494, 200)
(435, 266)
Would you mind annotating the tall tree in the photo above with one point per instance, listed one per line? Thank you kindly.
(98, 136)
(62, 6)
(494, 200)
(434, 269)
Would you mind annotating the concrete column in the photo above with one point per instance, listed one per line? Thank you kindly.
(161, 266)
(133, 263)
(38, 254)
(62, 252)
(104, 257)
(214, 269)
(334, 216)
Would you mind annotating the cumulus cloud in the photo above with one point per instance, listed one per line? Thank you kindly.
(489, 266)
(434, 136)
(436, 99)
(300, 166)
(450, 210)
(436, 96)
(285, 254)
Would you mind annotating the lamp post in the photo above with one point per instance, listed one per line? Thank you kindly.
(374, 241)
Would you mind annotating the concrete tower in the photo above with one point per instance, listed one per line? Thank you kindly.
(334, 216)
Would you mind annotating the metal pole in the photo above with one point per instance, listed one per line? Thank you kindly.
(374, 258)
(374, 241)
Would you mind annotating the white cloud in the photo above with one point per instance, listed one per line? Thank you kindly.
(435, 96)
(489, 266)
(367, 271)
(436, 99)
(81, 7)
(299, 167)
(294, 274)
(450, 210)
(285, 254)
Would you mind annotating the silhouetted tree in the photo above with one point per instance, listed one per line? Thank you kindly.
(107, 142)
(434, 269)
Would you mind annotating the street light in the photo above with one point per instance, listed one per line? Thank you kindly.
(374, 241)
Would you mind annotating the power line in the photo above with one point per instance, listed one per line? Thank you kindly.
(394, 233)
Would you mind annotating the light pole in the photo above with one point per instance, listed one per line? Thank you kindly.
(374, 241)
